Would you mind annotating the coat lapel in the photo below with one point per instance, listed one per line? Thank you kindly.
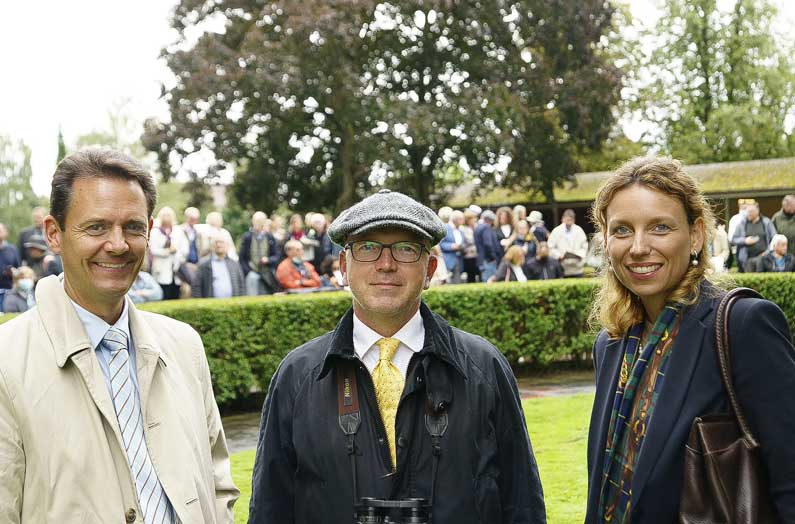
(609, 369)
(147, 356)
(687, 348)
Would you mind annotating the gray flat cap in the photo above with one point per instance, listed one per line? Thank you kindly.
(384, 210)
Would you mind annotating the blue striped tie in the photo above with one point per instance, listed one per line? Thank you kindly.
(152, 498)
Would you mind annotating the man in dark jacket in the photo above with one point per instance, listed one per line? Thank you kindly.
(394, 403)
(259, 256)
(542, 266)
(489, 249)
(217, 275)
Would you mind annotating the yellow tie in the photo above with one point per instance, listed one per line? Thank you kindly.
(388, 387)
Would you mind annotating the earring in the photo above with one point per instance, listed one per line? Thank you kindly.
(694, 258)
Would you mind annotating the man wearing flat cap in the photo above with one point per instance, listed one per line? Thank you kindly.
(395, 404)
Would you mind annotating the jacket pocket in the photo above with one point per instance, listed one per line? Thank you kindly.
(488, 500)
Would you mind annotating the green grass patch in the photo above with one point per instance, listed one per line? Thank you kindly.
(558, 429)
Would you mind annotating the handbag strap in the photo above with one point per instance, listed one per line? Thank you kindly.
(722, 346)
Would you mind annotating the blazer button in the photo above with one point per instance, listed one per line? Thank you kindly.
(402, 442)
(382, 441)
(129, 516)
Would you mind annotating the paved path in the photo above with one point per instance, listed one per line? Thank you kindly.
(241, 430)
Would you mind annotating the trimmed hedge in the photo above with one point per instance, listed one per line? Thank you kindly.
(541, 322)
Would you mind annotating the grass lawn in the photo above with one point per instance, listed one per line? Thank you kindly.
(558, 430)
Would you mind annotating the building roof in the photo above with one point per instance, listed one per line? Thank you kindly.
(752, 178)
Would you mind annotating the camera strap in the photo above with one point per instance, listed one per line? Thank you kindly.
(350, 417)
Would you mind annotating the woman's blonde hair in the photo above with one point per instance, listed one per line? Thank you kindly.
(514, 255)
(615, 307)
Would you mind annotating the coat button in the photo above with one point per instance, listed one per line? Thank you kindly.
(402, 442)
(129, 516)
(382, 441)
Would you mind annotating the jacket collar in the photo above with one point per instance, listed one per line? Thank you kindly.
(439, 341)
(65, 329)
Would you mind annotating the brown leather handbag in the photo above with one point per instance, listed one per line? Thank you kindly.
(725, 479)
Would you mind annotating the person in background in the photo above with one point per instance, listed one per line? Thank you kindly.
(542, 266)
(37, 229)
(21, 297)
(295, 231)
(259, 256)
(519, 213)
(166, 253)
(145, 289)
(190, 247)
(278, 230)
(720, 249)
(294, 272)
(752, 237)
(655, 358)
(470, 247)
(452, 246)
(441, 275)
(488, 245)
(784, 221)
(318, 232)
(214, 226)
(9, 261)
(537, 227)
(330, 274)
(734, 221)
(510, 269)
(523, 238)
(504, 228)
(777, 259)
(569, 244)
(43, 262)
(217, 275)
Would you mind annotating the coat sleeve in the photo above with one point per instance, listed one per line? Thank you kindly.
(225, 491)
(522, 497)
(273, 482)
(763, 369)
(12, 459)
(245, 253)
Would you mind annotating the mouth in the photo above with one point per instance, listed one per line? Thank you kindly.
(107, 265)
(644, 271)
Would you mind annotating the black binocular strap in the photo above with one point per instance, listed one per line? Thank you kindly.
(349, 415)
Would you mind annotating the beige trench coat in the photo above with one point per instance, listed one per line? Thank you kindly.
(61, 455)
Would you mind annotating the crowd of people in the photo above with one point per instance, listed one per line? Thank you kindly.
(194, 259)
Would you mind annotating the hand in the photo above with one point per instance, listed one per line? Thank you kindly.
(749, 241)
(172, 249)
(264, 261)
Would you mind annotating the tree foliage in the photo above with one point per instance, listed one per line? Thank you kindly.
(719, 84)
(17, 198)
(314, 103)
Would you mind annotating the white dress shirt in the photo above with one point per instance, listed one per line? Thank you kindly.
(411, 337)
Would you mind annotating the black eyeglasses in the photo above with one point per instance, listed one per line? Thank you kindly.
(370, 250)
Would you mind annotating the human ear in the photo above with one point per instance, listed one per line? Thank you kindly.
(52, 231)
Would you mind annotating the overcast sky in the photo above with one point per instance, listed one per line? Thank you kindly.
(66, 63)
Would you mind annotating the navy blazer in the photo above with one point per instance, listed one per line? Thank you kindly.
(763, 369)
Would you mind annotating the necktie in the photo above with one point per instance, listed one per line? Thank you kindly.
(151, 497)
(388, 384)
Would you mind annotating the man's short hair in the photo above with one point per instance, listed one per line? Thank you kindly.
(97, 163)
(292, 243)
(569, 213)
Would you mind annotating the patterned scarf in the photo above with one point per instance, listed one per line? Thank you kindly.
(623, 445)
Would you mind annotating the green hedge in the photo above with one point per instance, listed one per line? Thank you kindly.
(540, 322)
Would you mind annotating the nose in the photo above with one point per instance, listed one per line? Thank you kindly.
(117, 243)
(640, 245)
(385, 262)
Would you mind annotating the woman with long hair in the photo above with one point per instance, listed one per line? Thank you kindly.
(655, 357)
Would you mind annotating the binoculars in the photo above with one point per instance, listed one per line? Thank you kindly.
(375, 511)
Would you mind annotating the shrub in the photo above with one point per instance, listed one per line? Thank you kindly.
(540, 322)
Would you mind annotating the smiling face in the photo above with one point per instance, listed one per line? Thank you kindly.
(102, 243)
(649, 242)
(386, 293)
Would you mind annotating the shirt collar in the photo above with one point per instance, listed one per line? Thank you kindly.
(411, 335)
(96, 327)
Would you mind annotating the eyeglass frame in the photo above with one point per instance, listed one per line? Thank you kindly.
(382, 245)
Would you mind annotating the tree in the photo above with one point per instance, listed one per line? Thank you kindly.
(719, 84)
(314, 103)
(17, 198)
(122, 133)
(61, 147)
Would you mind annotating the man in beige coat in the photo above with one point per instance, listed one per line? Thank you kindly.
(107, 413)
